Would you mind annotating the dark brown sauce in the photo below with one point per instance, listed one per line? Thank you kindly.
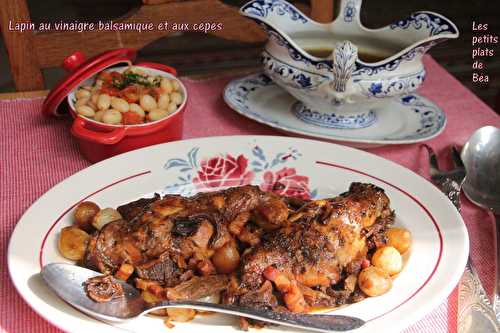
(326, 53)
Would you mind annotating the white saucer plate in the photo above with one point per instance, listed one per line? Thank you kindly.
(433, 266)
(406, 120)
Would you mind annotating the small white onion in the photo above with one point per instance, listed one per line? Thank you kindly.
(105, 216)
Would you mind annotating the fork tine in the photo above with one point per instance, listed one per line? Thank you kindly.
(433, 161)
(455, 155)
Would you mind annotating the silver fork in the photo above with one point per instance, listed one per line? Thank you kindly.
(475, 312)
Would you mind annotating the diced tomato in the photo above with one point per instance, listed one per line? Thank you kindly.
(365, 263)
(105, 76)
(111, 91)
(116, 75)
(156, 92)
(131, 118)
(129, 89)
(130, 94)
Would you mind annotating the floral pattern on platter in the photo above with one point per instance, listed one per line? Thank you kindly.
(332, 120)
(262, 8)
(426, 20)
(392, 87)
(273, 173)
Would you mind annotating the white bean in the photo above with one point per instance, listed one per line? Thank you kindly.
(176, 85)
(166, 85)
(112, 117)
(172, 107)
(157, 114)
(137, 109)
(176, 98)
(85, 110)
(148, 103)
(103, 102)
(163, 101)
(82, 101)
(81, 93)
(98, 115)
(120, 104)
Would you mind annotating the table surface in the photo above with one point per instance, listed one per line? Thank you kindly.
(37, 153)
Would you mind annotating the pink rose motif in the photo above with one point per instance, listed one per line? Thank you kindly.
(223, 171)
(287, 182)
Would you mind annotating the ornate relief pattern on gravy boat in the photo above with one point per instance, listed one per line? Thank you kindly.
(262, 8)
(276, 173)
(333, 120)
(427, 20)
(360, 69)
(344, 62)
(300, 79)
(349, 11)
(392, 87)
(289, 75)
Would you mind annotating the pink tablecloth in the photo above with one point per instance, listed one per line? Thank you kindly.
(36, 153)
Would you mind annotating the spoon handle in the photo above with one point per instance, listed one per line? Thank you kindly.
(475, 313)
(496, 294)
(315, 322)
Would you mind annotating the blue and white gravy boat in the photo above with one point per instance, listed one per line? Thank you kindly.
(344, 88)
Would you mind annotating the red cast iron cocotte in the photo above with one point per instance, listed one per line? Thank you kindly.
(96, 140)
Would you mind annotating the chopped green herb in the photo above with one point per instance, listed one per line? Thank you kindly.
(128, 79)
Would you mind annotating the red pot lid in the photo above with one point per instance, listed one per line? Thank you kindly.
(79, 70)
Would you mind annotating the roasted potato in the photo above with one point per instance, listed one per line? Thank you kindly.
(73, 242)
(104, 216)
(83, 215)
(181, 315)
(388, 259)
(374, 281)
(150, 298)
(124, 272)
(399, 238)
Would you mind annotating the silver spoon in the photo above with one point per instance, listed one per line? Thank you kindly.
(67, 282)
(481, 157)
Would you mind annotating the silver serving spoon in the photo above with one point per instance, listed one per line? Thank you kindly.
(67, 282)
(481, 158)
